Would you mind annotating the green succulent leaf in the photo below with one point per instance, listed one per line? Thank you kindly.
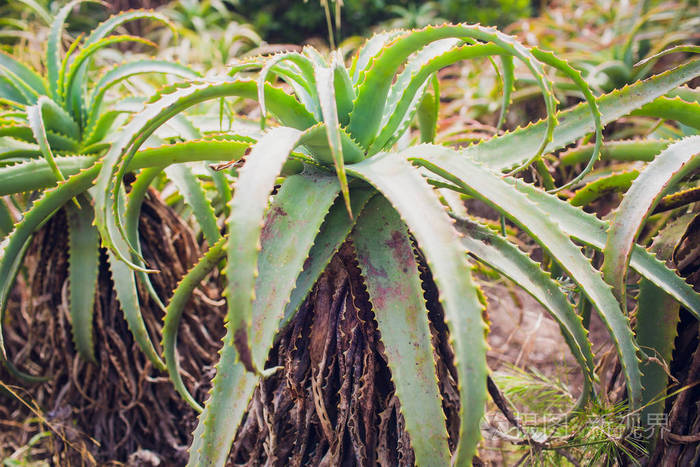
(215, 433)
(575, 75)
(65, 84)
(616, 182)
(193, 193)
(674, 162)
(23, 72)
(687, 113)
(592, 231)
(250, 199)
(421, 211)
(36, 174)
(503, 256)
(326, 96)
(508, 87)
(333, 233)
(171, 102)
(371, 97)
(496, 192)
(132, 214)
(83, 269)
(12, 249)
(6, 221)
(127, 70)
(368, 52)
(622, 151)
(36, 122)
(217, 424)
(175, 309)
(385, 256)
(512, 149)
(300, 207)
(428, 113)
(300, 61)
(657, 323)
(125, 286)
(316, 141)
(53, 48)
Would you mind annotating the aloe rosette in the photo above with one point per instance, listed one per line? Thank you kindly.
(331, 146)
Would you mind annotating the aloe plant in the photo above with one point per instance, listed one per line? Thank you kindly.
(335, 148)
(62, 116)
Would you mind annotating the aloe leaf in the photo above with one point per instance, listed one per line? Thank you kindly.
(507, 259)
(175, 308)
(250, 199)
(371, 96)
(132, 214)
(127, 70)
(6, 221)
(113, 22)
(66, 57)
(656, 326)
(53, 47)
(344, 92)
(127, 294)
(83, 269)
(616, 182)
(385, 256)
(300, 207)
(409, 84)
(368, 52)
(65, 84)
(218, 423)
(13, 148)
(299, 60)
(301, 82)
(18, 132)
(101, 31)
(512, 149)
(326, 97)
(22, 71)
(590, 230)
(575, 76)
(315, 139)
(496, 192)
(675, 162)
(333, 233)
(222, 188)
(10, 92)
(36, 174)
(508, 87)
(410, 81)
(686, 93)
(643, 150)
(228, 411)
(189, 151)
(193, 193)
(428, 111)
(166, 104)
(657, 319)
(13, 247)
(100, 129)
(232, 386)
(23, 93)
(420, 209)
(36, 122)
(687, 113)
(679, 48)
(58, 120)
